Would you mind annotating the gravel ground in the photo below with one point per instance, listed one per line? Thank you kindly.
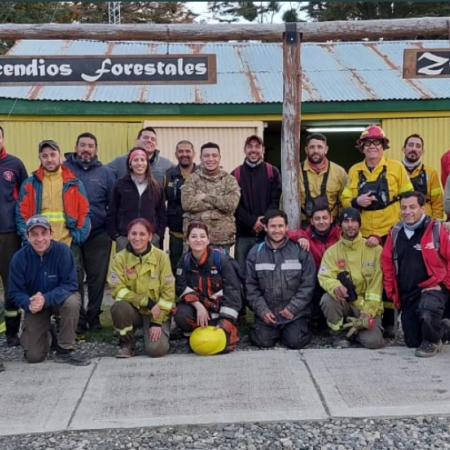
(337, 434)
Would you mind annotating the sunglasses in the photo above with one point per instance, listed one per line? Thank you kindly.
(369, 142)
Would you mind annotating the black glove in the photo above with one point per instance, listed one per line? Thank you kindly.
(346, 281)
(151, 303)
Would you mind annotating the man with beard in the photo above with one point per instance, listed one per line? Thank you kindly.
(424, 178)
(260, 184)
(173, 181)
(351, 276)
(159, 165)
(279, 287)
(98, 181)
(211, 195)
(54, 192)
(320, 179)
(416, 267)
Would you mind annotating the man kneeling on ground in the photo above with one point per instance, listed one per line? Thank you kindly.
(280, 284)
(43, 281)
(350, 274)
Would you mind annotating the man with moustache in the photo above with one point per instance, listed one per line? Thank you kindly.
(260, 184)
(12, 175)
(353, 261)
(416, 268)
(54, 192)
(424, 178)
(279, 287)
(98, 181)
(173, 181)
(211, 195)
(320, 179)
(159, 165)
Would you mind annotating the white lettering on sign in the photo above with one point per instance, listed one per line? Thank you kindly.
(437, 66)
(37, 68)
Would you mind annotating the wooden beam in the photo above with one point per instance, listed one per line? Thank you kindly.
(311, 31)
(290, 128)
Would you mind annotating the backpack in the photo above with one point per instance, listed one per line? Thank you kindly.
(216, 254)
(269, 170)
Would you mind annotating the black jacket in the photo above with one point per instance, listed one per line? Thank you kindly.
(258, 195)
(98, 181)
(219, 291)
(173, 180)
(12, 175)
(126, 204)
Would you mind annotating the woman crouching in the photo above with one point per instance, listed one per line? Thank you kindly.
(142, 286)
(209, 292)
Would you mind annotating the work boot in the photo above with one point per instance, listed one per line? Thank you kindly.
(95, 325)
(12, 341)
(428, 349)
(339, 339)
(125, 352)
(70, 357)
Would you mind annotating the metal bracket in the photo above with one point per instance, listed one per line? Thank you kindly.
(291, 34)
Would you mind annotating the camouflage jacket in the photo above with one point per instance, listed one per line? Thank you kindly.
(217, 209)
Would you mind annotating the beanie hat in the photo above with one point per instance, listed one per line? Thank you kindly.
(350, 213)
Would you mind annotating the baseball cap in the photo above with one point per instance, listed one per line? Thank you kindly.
(38, 221)
(253, 137)
(48, 143)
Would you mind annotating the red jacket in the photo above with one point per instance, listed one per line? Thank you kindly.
(437, 262)
(445, 167)
(316, 246)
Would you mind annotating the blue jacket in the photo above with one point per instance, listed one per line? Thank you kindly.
(98, 181)
(54, 275)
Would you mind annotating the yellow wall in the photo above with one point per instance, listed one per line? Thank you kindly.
(434, 131)
(22, 138)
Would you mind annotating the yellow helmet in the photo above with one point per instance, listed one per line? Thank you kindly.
(208, 341)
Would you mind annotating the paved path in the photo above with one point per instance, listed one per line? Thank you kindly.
(240, 387)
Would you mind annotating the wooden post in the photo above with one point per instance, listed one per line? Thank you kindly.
(290, 128)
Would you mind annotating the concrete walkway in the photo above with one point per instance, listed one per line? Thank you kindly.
(246, 386)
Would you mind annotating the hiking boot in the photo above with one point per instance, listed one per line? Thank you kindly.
(339, 339)
(428, 349)
(70, 357)
(125, 352)
(12, 341)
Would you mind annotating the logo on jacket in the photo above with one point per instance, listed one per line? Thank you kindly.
(429, 246)
(130, 271)
(8, 175)
(341, 263)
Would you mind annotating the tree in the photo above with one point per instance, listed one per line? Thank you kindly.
(261, 12)
(328, 11)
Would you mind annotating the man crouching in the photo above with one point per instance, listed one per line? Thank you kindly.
(43, 281)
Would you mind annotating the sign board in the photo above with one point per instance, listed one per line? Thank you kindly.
(111, 69)
(426, 63)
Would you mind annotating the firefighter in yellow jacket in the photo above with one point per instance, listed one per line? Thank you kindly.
(143, 288)
(350, 273)
(424, 178)
(321, 180)
(375, 185)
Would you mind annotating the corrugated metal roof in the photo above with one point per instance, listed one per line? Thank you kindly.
(249, 73)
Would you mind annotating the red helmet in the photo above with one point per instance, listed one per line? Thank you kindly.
(373, 132)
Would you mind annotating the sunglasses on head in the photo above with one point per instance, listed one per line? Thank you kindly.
(369, 142)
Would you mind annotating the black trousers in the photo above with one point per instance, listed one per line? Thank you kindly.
(94, 259)
(10, 243)
(421, 318)
(294, 335)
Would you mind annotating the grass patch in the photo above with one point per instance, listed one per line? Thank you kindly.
(104, 335)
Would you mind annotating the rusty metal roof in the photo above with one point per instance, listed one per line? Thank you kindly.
(249, 73)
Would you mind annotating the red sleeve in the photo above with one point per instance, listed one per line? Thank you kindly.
(444, 240)
(388, 267)
(445, 169)
(295, 235)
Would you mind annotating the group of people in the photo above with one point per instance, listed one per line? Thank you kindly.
(372, 243)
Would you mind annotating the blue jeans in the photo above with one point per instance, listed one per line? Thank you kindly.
(243, 247)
